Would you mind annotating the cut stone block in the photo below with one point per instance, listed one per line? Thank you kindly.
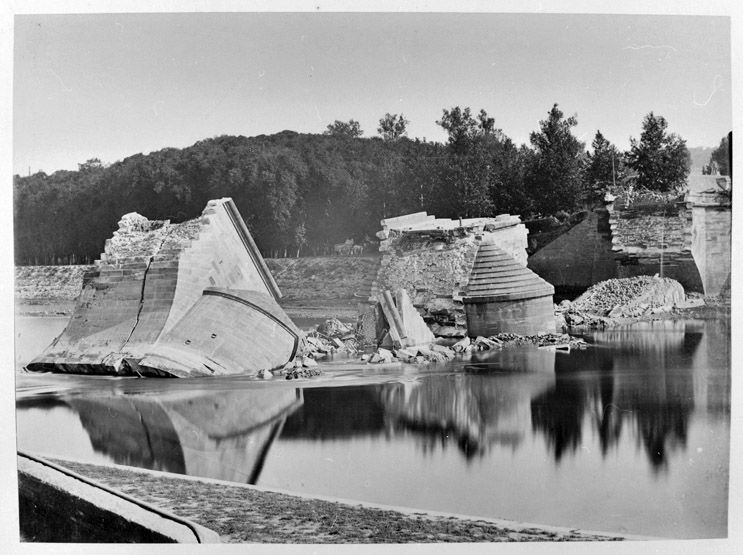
(416, 330)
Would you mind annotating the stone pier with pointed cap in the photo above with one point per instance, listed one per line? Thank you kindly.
(505, 296)
(435, 261)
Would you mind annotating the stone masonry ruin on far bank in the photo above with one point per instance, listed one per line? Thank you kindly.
(188, 299)
(433, 260)
(684, 236)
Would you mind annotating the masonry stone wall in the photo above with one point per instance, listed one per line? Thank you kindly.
(711, 247)
(435, 268)
(651, 234)
(710, 201)
(522, 316)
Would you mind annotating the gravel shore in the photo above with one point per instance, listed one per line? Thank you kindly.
(247, 514)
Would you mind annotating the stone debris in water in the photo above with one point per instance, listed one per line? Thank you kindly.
(441, 353)
(318, 346)
(330, 337)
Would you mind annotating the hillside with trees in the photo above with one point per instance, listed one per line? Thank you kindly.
(301, 193)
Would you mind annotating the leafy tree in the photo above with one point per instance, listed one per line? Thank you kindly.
(417, 182)
(297, 192)
(605, 167)
(350, 129)
(464, 130)
(91, 165)
(483, 174)
(719, 160)
(555, 174)
(392, 127)
(465, 185)
(660, 159)
(508, 190)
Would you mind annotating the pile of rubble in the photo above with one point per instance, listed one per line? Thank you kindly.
(561, 341)
(330, 337)
(395, 332)
(417, 355)
(621, 298)
(301, 367)
(441, 353)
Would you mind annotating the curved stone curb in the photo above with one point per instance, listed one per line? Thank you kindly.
(58, 505)
(510, 525)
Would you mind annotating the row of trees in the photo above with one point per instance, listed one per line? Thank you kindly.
(302, 192)
(719, 160)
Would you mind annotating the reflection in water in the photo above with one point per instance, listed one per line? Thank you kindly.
(486, 404)
(336, 413)
(630, 435)
(640, 380)
(645, 380)
(216, 434)
(474, 412)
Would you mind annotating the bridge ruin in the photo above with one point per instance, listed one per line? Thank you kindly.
(681, 235)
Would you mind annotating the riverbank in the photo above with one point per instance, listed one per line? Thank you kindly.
(249, 514)
(313, 288)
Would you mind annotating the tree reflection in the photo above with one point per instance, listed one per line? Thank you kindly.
(646, 379)
(484, 405)
(638, 382)
(558, 413)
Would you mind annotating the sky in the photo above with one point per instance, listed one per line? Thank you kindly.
(109, 86)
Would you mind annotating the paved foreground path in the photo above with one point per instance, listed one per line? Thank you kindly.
(247, 514)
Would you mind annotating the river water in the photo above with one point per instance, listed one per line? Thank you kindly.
(631, 435)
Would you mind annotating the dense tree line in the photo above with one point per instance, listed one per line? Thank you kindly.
(300, 193)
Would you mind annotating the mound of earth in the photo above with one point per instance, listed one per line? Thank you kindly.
(630, 297)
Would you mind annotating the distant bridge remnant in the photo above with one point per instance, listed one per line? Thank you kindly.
(709, 199)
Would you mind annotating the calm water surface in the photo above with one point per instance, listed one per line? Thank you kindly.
(631, 435)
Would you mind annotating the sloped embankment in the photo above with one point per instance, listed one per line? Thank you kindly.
(321, 278)
(324, 277)
(48, 283)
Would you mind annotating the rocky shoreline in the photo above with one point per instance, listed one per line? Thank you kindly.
(242, 513)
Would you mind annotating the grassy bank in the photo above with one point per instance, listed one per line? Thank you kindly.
(246, 514)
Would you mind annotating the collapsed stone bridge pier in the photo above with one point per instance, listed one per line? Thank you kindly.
(188, 299)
